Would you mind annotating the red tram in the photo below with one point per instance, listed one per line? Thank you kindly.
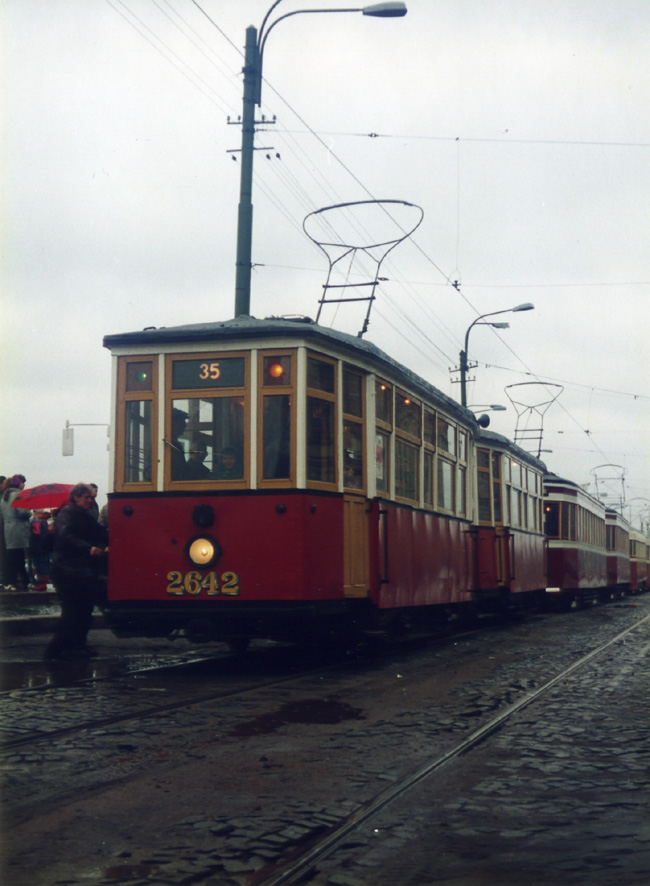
(575, 532)
(639, 562)
(509, 551)
(617, 541)
(277, 479)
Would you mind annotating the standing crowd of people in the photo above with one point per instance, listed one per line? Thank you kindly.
(67, 547)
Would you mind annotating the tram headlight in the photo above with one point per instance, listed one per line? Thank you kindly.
(203, 550)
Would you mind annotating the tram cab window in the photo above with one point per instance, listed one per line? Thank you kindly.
(552, 519)
(321, 421)
(276, 438)
(136, 418)
(137, 443)
(207, 438)
(277, 415)
(206, 421)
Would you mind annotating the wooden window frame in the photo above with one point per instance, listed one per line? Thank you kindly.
(263, 391)
(326, 396)
(357, 420)
(122, 398)
(206, 393)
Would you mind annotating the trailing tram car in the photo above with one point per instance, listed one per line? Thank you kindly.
(574, 525)
(274, 478)
(639, 562)
(617, 541)
(509, 549)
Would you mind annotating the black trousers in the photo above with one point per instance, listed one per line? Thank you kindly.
(77, 599)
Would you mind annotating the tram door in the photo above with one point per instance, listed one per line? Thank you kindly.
(493, 556)
(356, 582)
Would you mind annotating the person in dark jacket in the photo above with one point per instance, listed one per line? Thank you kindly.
(80, 545)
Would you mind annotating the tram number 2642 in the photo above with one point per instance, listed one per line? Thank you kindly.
(211, 584)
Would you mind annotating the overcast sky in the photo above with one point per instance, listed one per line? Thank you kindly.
(520, 127)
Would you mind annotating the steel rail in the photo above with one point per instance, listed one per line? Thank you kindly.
(295, 870)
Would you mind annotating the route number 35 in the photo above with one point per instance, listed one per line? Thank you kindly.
(194, 583)
(209, 370)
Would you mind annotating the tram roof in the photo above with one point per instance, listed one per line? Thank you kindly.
(245, 327)
(491, 437)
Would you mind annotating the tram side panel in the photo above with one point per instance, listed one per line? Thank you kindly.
(575, 567)
(423, 558)
(528, 562)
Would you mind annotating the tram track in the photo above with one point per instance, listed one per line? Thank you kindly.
(293, 872)
(159, 709)
(126, 680)
(244, 790)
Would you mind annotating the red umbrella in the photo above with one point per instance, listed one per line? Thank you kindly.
(47, 495)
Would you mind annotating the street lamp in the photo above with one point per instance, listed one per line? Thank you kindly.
(253, 96)
(527, 306)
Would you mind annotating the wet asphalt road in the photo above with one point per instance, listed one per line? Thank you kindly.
(222, 791)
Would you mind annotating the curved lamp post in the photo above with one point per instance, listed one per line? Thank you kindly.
(527, 306)
(253, 96)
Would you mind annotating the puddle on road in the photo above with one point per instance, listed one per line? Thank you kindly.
(308, 711)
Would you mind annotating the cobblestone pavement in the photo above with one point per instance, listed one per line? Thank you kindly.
(215, 794)
(559, 795)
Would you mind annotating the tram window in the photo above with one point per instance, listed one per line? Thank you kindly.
(531, 512)
(552, 519)
(382, 462)
(515, 468)
(462, 446)
(384, 402)
(483, 459)
(446, 436)
(484, 503)
(429, 428)
(207, 438)
(352, 393)
(352, 455)
(406, 470)
(515, 507)
(445, 485)
(427, 478)
(461, 497)
(496, 498)
(139, 376)
(569, 521)
(137, 461)
(320, 375)
(320, 440)
(277, 371)
(407, 415)
(276, 437)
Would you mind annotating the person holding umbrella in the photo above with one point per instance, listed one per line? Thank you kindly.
(80, 545)
(16, 532)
